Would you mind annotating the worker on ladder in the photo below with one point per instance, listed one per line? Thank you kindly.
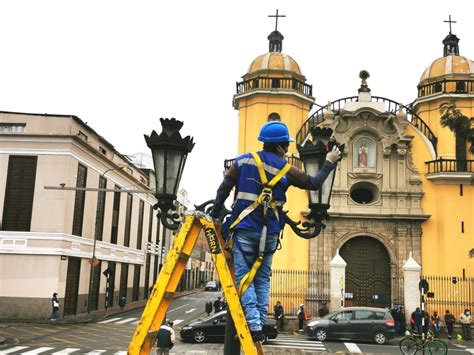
(261, 180)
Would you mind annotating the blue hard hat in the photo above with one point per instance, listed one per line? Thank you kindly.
(274, 132)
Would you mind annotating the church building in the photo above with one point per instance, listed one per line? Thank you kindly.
(404, 187)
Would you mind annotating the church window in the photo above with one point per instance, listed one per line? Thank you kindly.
(460, 86)
(364, 153)
(274, 117)
(364, 193)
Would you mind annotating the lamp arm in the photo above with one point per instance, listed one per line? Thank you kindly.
(207, 206)
(166, 213)
(310, 229)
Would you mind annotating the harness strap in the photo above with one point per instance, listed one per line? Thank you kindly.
(266, 200)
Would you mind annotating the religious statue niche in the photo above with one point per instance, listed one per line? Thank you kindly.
(364, 153)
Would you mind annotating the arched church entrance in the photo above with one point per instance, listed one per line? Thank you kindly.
(367, 272)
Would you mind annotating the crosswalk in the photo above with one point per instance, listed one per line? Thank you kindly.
(288, 341)
(28, 350)
(131, 320)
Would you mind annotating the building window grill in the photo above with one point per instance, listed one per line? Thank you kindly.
(12, 127)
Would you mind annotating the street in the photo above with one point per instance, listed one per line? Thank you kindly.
(112, 336)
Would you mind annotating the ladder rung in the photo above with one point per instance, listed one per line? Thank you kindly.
(168, 294)
(183, 256)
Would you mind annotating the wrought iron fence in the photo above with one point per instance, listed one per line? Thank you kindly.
(450, 293)
(293, 287)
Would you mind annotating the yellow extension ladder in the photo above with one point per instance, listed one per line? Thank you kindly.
(170, 275)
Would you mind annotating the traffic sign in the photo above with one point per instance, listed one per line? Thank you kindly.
(424, 286)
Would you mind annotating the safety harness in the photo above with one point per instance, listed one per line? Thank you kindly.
(265, 199)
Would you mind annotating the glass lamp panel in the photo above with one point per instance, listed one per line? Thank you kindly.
(327, 187)
(311, 165)
(159, 159)
(173, 171)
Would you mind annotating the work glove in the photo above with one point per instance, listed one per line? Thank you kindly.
(334, 155)
(215, 211)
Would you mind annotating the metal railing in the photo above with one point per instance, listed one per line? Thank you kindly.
(450, 165)
(391, 106)
(455, 297)
(443, 86)
(293, 287)
(274, 83)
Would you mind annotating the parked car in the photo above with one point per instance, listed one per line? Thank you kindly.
(211, 286)
(364, 323)
(213, 329)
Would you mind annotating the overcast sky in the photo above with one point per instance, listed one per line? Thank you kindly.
(121, 65)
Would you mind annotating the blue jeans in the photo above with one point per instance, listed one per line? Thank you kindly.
(255, 299)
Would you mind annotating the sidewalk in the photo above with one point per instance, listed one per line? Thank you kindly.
(96, 315)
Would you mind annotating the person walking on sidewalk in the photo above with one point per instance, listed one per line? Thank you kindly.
(166, 338)
(279, 315)
(466, 320)
(55, 306)
(301, 317)
(323, 310)
(449, 320)
(261, 180)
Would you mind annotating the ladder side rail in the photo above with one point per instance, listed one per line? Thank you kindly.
(165, 287)
(228, 286)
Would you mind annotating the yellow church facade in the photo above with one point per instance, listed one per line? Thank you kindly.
(405, 183)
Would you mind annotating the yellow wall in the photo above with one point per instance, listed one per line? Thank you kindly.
(445, 249)
(253, 113)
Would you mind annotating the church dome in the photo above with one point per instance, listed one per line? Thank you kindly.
(274, 61)
(450, 65)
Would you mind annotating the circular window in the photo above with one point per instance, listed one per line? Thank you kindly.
(364, 193)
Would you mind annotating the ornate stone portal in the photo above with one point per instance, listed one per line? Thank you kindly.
(376, 194)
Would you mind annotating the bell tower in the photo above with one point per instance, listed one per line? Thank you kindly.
(274, 89)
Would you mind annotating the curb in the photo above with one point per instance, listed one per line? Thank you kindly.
(2, 340)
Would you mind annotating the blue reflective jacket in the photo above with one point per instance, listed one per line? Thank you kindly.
(249, 188)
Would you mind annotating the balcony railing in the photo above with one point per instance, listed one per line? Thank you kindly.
(275, 83)
(450, 166)
(444, 86)
(295, 161)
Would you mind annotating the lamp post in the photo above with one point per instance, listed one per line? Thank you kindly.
(169, 151)
(313, 153)
(93, 260)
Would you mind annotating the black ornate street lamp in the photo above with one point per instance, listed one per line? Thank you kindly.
(169, 151)
(313, 154)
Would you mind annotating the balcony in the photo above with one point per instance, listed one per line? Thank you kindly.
(275, 83)
(450, 171)
(446, 86)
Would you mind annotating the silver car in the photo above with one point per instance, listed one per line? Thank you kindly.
(362, 323)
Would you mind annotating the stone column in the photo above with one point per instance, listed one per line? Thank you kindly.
(411, 276)
(337, 280)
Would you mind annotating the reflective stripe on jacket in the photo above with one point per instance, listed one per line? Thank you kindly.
(249, 187)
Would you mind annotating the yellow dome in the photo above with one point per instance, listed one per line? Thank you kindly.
(448, 66)
(274, 61)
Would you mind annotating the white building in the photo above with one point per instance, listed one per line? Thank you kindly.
(46, 235)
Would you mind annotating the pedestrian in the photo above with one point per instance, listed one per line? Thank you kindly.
(417, 316)
(166, 338)
(436, 321)
(301, 317)
(426, 323)
(279, 314)
(323, 310)
(217, 305)
(208, 308)
(224, 305)
(55, 306)
(400, 320)
(466, 319)
(449, 320)
(257, 213)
